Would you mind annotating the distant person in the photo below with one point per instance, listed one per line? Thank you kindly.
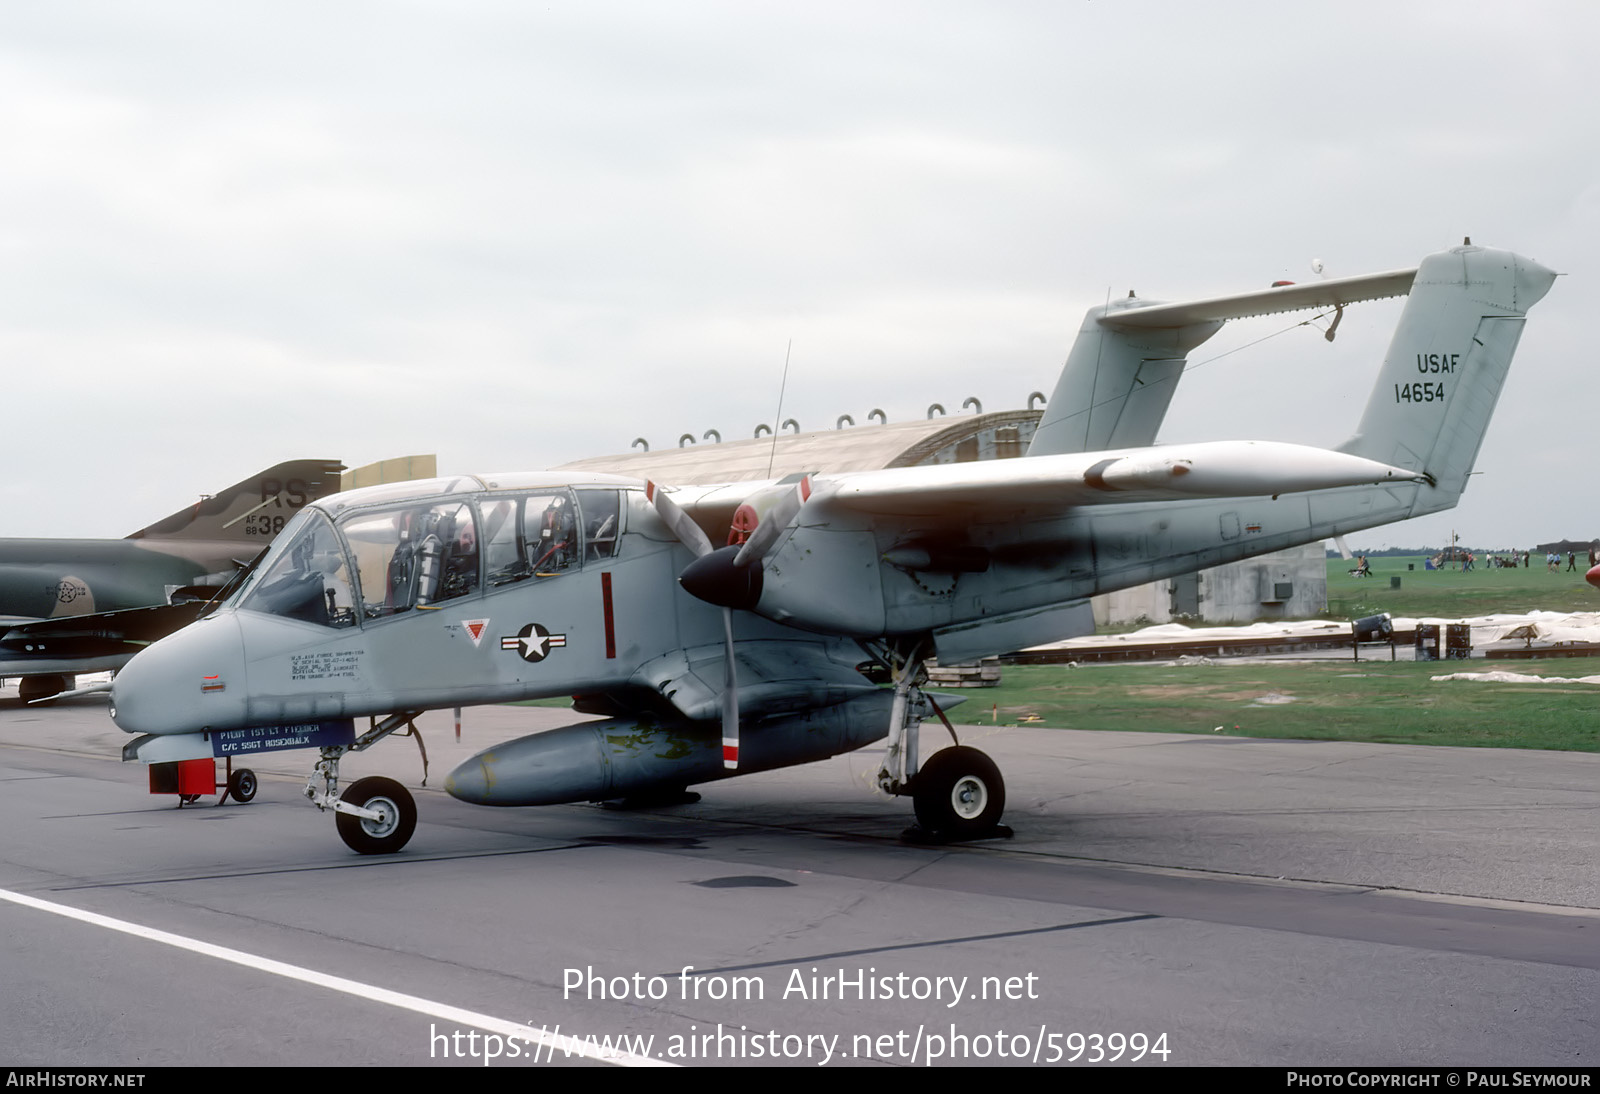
(1572, 562)
(1362, 569)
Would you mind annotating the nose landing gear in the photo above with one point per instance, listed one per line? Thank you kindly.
(392, 819)
(375, 815)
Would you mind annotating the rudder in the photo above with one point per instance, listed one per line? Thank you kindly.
(1446, 364)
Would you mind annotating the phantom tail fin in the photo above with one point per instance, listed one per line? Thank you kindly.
(1446, 364)
(252, 511)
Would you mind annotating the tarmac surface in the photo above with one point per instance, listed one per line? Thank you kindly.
(1183, 899)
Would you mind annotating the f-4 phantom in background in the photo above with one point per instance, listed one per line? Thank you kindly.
(808, 638)
(87, 605)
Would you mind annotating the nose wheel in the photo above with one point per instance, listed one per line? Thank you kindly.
(374, 815)
(388, 817)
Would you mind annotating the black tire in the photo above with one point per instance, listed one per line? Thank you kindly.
(380, 837)
(37, 690)
(242, 785)
(959, 794)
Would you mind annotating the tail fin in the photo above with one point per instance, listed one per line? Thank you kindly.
(1116, 386)
(1119, 378)
(252, 511)
(1446, 364)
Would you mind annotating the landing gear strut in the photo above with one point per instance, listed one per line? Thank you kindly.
(958, 794)
(375, 815)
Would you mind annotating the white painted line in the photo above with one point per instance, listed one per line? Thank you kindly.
(553, 1043)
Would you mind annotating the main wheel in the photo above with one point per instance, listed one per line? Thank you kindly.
(397, 816)
(32, 689)
(959, 794)
(242, 785)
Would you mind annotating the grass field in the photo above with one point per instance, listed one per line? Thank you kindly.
(1452, 593)
(1385, 701)
(1372, 700)
(1338, 700)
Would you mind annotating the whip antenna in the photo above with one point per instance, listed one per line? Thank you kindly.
(779, 418)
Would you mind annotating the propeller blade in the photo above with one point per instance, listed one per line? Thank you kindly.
(772, 525)
(690, 535)
(682, 525)
(730, 697)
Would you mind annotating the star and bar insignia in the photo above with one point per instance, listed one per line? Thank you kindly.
(533, 642)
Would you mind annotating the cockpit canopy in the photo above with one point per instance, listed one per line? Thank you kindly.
(383, 560)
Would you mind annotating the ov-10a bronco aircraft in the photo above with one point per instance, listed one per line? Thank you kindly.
(808, 638)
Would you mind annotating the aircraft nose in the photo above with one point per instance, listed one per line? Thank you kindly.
(188, 681)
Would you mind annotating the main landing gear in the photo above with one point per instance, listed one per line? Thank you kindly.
(374, 815)
(958, 794)
(41, 690)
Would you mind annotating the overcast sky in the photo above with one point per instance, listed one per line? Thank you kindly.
(517, 234)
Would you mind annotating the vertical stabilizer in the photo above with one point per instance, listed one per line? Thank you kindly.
(252, 511)
(1117, 383)
(1446, 364)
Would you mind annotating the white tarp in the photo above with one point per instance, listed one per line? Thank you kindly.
(1537, 628)
(1515, 678)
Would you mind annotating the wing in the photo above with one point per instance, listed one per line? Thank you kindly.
(104, 634)
(1213, 469)
(89, 643)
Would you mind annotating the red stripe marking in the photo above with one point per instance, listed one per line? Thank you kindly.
(605, 600)
(730, 752)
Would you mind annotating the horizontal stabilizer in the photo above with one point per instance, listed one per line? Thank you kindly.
(1316, 294)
